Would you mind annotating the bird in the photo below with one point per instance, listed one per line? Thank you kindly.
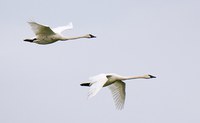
(115, 84)
(46, 35)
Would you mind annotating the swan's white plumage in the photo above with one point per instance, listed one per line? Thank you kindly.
(117, 88)
(63, 28)
(118, 92)
(46, 35)
(96, 83)
(115, 84)
(39, 29)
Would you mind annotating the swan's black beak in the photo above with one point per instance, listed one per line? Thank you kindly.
(92, 36)
(152, 76)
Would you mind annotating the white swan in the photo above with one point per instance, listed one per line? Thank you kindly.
(115, 84)
(46, 35)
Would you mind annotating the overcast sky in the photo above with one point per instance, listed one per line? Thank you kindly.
(40, 83)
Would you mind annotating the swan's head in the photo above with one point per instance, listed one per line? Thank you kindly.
(90, 36)
(149, 76)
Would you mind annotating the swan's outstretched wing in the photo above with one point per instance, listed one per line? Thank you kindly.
(39, 29)
(96, 84)
(118, 92)
(63, 28)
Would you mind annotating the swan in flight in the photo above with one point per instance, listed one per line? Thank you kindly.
(115, 84)
(46, 35)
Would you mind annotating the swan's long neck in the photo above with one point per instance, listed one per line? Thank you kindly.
(73, 38)
(132, 77)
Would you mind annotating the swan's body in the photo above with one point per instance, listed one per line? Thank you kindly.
(46, 35)
(115, 84)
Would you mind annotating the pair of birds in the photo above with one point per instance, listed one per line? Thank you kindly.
(46, 35)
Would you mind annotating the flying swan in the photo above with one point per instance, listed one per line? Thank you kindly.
(115, 84)
(46, 35)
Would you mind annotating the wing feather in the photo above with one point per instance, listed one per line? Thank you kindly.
(96, 84)
(119, 94)
(39, 29)
(63, 28)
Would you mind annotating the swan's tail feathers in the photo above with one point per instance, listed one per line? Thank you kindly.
(30, 40)
(85, 84)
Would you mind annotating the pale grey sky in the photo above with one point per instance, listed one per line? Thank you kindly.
(40, 84)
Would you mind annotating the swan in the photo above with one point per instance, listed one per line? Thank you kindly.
(46, 35)
(115, 84)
